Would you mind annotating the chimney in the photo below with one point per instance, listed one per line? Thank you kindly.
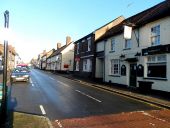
(58, 45)
(68, 40)
(44, 51)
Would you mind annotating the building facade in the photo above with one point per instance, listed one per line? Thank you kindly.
(62, 58)
(85, 57)
(143, 60)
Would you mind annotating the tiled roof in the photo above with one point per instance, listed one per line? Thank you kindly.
(154, 13)
(58, 51)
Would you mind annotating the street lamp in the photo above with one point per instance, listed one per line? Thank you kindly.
(4, 95)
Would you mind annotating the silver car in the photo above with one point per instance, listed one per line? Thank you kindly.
(20, 74)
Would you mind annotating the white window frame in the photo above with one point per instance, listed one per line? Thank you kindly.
(77, 65)
(128, 43)
(156, 60)
(112, 45)
(115, 67)
(87, 65)
(155, 35)
(89, 43)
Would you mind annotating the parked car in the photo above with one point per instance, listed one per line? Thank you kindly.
(20, 74)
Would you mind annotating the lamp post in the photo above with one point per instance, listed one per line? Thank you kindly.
(4, 96)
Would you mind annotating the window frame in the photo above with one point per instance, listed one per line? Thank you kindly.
(155, 60)
(87, 66)
(127, 42)
(115, 67)
(112, 45)
(89, 43)
(77, 65)
(155, 35)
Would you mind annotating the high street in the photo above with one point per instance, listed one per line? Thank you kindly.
(60, 98)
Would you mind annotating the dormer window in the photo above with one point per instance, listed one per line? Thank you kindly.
(155, 35)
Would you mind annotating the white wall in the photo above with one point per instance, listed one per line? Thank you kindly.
(67, 56)
(100, 46)
(144, 42)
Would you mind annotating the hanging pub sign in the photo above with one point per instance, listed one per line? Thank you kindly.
(127, 32)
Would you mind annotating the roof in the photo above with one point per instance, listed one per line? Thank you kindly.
(47, 53)
(58, 51)
(154, 13)
(84, 37)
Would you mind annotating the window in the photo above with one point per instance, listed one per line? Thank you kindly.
(113, 44)
(128, 43)
(77, 48)
(77, 65)
(156, 66)
(155, 35)
(89, 44)
(115, 67)
(87, 65)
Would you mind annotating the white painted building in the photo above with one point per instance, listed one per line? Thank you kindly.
(142, 61)
(62, 58)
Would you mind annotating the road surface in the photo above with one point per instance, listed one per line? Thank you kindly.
(60, 98)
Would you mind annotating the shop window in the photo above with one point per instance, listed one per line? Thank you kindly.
(157, 67)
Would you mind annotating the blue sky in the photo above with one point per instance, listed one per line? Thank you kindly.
(40, 24)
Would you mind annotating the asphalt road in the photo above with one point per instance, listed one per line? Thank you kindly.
(60, 98)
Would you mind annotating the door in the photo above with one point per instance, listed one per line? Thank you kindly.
(133, 75)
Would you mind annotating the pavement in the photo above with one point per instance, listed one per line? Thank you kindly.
(138, 119)
(161, 99)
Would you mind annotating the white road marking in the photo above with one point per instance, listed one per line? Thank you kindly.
(32, 84)
(63, 84)
(42, 110)
(51, 78)
(59, 124)
(88, 96)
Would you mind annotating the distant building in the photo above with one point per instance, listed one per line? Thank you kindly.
(44, 61)
(62, 59)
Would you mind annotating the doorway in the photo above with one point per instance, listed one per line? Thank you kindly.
(133, 75)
